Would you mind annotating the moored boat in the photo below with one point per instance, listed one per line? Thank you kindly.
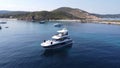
(42, 22)
(3, 22)
(57, 25)
(6, 27)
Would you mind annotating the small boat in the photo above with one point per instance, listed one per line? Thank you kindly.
(32, 20)
(6, 27)
(3, 22)
(42, 22)
(57, 25)
(59, 40)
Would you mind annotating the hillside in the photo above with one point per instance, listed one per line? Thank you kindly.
(4, 12)
(80, 14)
(60, 13)
(107, 15)
(7, 14)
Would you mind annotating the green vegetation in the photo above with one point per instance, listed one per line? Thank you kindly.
(107, 15)
(60, 13)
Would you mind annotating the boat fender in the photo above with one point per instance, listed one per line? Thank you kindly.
(44, 40)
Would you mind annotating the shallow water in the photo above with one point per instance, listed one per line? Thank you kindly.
(95, 46)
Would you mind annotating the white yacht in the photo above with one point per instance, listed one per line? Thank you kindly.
(59, 40)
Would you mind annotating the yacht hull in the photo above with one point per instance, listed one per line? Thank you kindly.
(59, 45)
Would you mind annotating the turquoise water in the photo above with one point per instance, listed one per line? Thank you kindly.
(95, 46)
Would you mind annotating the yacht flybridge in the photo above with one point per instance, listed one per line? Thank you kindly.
(58, 40)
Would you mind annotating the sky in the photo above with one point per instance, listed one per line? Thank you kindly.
(92, 6)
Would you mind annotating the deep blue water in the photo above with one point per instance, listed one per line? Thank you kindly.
(95, 46)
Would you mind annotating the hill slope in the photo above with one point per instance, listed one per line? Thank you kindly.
(76, 12)
(107, 15)
(4, 12)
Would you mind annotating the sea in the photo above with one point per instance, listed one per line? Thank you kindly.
(95, 45)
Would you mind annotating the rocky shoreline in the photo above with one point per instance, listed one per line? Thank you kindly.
(114, 22)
